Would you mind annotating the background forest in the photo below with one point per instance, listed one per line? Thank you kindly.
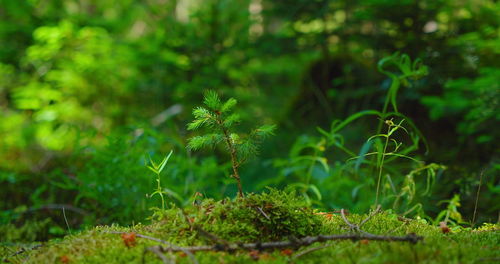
(89, 89)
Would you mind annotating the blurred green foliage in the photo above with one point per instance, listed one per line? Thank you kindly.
(89, 88)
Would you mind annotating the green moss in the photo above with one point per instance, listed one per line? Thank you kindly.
(27, 232)
(281, 216)
(259, 217)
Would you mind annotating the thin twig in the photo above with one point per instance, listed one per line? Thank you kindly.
(66, 220)
(352, 226)
(309, 250)
(263, 213)
(161, 255)
(372, 214)
(357, 228)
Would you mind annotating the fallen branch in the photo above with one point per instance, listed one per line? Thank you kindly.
(225, 246)
(295, 243)
(21, 251)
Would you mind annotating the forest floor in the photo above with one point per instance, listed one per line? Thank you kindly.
(273, 228)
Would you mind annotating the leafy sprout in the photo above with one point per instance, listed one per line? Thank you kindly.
(157, 169)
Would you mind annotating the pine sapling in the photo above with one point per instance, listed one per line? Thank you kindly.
(218, 117)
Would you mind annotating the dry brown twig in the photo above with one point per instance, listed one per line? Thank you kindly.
(357, 227)
(263, 213)
(372, 214)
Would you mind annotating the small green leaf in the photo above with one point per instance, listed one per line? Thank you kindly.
(375, 136)
(361, 157)
(337, 125)
(164, 161)
(320, 160)
(316, 191)
(152, 169)
(152, 162)
(173, 194)
(402, 156)
(156, 193)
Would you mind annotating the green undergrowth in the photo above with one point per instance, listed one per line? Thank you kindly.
(270, 216)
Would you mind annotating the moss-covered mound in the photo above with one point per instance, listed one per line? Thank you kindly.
(271, 216)
(259, 217)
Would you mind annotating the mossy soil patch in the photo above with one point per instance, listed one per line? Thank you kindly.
(273, 216)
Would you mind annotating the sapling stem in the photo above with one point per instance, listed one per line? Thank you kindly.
(234, 156)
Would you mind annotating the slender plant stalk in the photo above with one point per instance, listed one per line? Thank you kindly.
(381, 166)
(477, 198)
(66, 220)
